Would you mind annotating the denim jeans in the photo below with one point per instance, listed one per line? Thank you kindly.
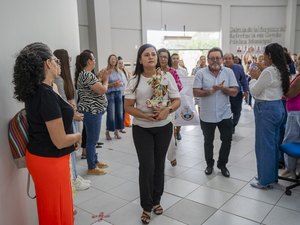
(114, 119)
(92, 124)
(269, 116)
(75, 126)
(292, 135)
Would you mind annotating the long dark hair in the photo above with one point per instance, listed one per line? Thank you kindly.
(29, 70)
(276, 52)
(169, 56)
(81, 62)
(65, 74)
(139, 68)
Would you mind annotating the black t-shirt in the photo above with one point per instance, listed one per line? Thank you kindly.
(44, 106)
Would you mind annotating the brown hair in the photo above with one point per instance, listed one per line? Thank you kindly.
(65, 74)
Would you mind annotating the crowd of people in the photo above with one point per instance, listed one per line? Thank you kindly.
(56, 104)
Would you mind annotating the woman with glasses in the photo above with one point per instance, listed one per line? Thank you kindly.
(165, 64)
(51, 137)
(67, 92)
(92, 103)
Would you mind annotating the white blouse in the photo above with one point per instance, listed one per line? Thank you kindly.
(268, 86)
(144, 92)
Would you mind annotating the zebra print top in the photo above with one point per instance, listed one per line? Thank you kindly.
(89, 101)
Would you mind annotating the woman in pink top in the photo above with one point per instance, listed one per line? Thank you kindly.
(292, 131)
(165, 63)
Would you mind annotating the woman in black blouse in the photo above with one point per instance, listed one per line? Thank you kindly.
(51, 138)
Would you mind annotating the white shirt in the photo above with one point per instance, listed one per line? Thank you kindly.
(181, 72)
(143, 92)
(268, 86)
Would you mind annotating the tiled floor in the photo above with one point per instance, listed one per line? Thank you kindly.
(190, 196)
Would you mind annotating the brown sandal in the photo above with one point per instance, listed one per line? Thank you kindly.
(145, 218)
(158, 210)
(173, 162)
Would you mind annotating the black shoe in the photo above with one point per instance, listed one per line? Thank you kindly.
(209, 170)
(224, 171)
(178, 137)
(100, 143)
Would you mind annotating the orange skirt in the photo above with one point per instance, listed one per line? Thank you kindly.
(127, 122)
(51, 177)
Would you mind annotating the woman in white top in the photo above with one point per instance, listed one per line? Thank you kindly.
(152, 128)
(268, 89)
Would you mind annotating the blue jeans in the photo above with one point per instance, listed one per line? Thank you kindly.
(292, 135)
(92, 123)
(114, 119)
(73, 154)
(269, 116)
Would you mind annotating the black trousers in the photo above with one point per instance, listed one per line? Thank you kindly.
(208, 129)
(236, 107)
(151, 145)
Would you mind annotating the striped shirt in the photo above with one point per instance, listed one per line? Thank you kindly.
(89, 101)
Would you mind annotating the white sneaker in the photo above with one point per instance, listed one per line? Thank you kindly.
(83, 180)
(80, 186)
(289, 174)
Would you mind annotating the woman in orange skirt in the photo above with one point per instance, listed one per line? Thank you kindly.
(51, 177)
(51, 137)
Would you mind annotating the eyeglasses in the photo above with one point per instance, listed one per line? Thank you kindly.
(57, 61)
(163, 57)
(215, 58)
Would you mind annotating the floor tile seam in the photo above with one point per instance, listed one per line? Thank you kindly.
(210, 205)
(254, 199)
(175, 219)
(241, 216)
(297, 211)
(183, 197)
(123, 182)
(268, 214)
(105, 193)
(234, 193)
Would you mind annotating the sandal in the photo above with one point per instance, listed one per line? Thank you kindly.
(83, 156)
(158, 210)
(173, 162)
(145, 218)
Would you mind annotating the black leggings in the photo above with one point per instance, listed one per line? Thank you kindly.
(151, 145)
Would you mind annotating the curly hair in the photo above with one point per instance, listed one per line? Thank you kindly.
(29, 70)
(278, 57)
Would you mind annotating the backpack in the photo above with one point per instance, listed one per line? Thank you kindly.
(18, 137)
(18, 141)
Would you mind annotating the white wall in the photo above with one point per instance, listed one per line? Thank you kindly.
(129, 20)
(55, 23)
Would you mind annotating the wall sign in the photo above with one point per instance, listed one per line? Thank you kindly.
(242, 38)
